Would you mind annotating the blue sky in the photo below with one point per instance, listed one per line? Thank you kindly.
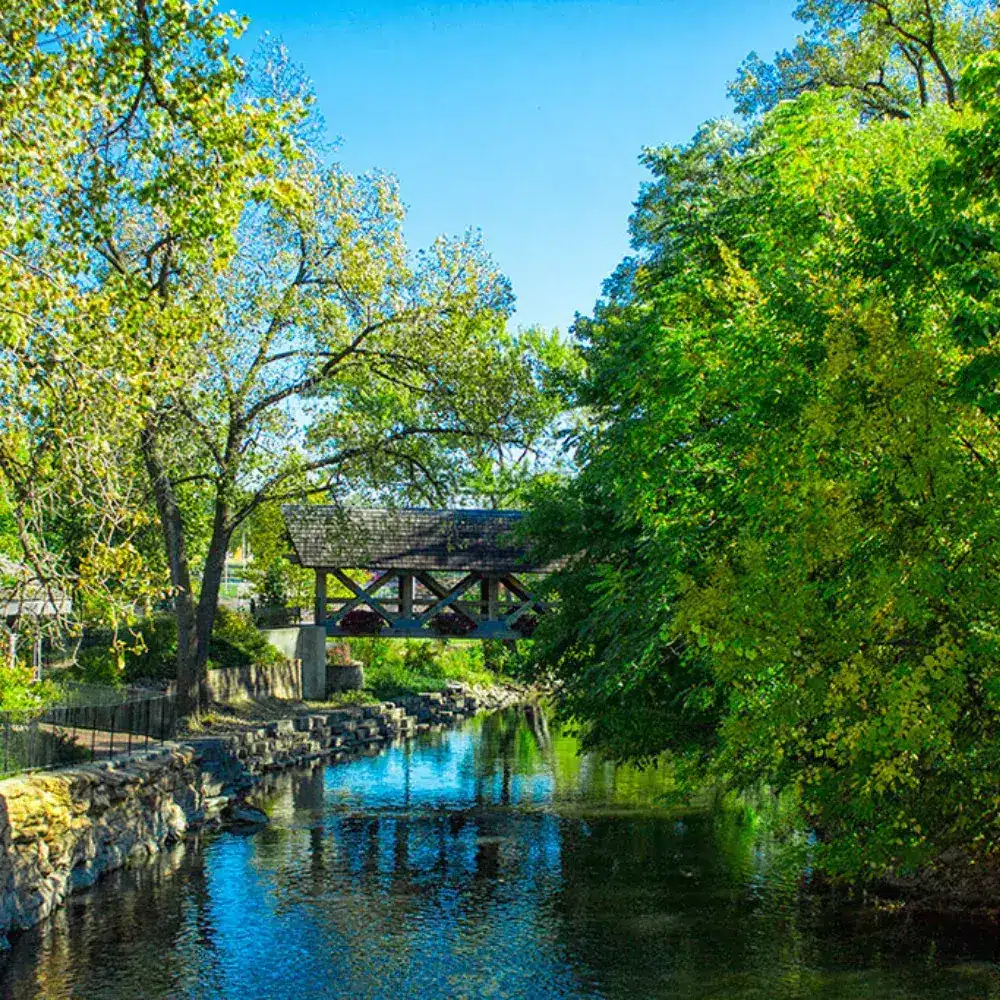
(522, 119)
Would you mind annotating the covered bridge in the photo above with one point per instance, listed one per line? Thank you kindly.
(432, 573)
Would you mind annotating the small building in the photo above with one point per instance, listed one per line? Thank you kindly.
(25, 604)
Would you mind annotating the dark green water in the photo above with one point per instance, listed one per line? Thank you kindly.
(489, 861)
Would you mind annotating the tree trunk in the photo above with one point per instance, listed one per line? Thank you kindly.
(172, 525)
(211, 584)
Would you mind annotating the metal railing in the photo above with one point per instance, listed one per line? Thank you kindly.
(88, 723)
(267, 617)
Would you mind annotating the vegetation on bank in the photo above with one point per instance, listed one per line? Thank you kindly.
(21, 694)
(395, 667)
(148, 650)
(392, 667)
(784, 540)
(783, 543)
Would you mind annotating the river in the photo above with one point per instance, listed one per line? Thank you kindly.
(488, 861)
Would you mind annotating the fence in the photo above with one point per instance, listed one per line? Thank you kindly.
(267, 617)
(88, 723)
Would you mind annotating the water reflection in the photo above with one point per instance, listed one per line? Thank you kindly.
(492, 861)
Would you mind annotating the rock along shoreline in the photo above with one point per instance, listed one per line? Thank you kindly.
(62, 830)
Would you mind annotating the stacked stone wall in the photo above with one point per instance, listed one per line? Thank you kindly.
(338, 732)
(62, 830)
(226, 685)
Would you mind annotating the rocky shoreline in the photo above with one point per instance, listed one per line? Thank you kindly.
(60, 831)
(310, 736)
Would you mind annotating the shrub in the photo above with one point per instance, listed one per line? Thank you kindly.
(151, 649)
(237, 642)
(154, 654)
(450, 623)
(360, 622)
(274, 591)
(400, 667)
(526, 624)
(20, 693)
(97, 665)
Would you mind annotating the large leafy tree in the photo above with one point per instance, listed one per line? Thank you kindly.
(127, 154)
(891, 56)
(192, 296)
(784, 540)
(329, 360)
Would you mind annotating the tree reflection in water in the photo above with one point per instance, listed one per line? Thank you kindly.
(490, 861)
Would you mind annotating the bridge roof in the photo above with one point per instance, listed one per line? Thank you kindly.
(333, 537)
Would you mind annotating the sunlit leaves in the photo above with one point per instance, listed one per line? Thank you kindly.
(129, 146)
(784, 540)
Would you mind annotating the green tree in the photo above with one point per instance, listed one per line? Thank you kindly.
(126, 156)
(329, 360)
(783, 541)
(891, 56)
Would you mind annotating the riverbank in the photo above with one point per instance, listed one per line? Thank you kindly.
(61, 831)
(487, 859)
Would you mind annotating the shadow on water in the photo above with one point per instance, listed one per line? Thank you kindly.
(490, 861)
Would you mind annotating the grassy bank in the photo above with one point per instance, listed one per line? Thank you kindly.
(395, 667)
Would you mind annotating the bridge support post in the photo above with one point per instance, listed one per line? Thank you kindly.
(490, 590)
(406, 596)
(319, 608)
(311, 650)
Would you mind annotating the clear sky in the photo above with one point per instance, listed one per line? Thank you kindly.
(523, 119)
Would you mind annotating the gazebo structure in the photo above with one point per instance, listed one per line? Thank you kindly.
(25, 603)
(433, 572)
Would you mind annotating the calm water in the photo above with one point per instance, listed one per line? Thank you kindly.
(486, 862)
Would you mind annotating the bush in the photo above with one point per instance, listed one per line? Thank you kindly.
(237, 642)
(96, 665)
(526, 625)
(396, 667)
(151, 649)
(155, 656)
(21, 694)
(452, 624)
(362, 622)
(274, 591)
(150, 652)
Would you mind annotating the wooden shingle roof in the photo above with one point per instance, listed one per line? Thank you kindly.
(407, 538)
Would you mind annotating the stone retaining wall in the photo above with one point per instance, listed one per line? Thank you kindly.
(281, 680)
(62, 830)
(338, 732)
(235, 684)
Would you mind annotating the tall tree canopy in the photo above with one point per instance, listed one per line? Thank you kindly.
(891, 56)
(122, 137)
(784, 537)
(201, 315)
(333, 362)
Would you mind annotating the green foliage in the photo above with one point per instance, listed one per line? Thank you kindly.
(149, 650)
(889, 58)
(396, 667)
(21, 694)
(784, 541)
(154, 652)
(237, 642)
(277, 583)
(97, 665)
(129, 146)
(195, 296)
(274, 587)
